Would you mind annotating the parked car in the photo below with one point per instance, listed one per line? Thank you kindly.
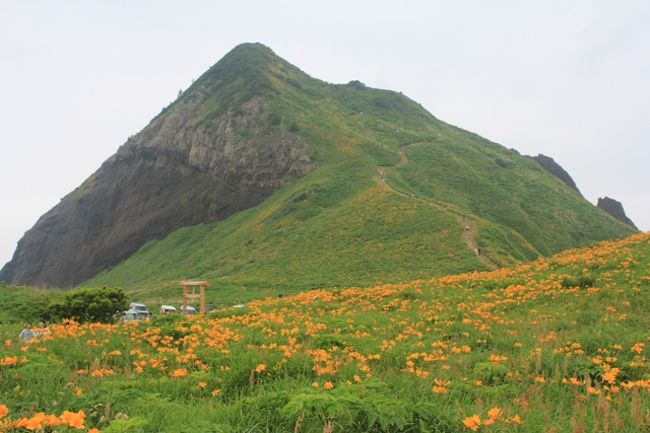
(167, 309)
(188, 310)
(135, 315)
(139, 307)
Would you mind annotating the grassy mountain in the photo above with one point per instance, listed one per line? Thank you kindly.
(309, 184)
(559, 344)
(389, 200)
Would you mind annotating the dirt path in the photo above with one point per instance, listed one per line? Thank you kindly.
(469, 236)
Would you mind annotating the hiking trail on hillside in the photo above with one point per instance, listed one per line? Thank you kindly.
(468, 228)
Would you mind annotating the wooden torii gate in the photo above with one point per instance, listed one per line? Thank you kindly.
(189, 293)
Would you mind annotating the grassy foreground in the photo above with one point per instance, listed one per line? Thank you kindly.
(556, 345)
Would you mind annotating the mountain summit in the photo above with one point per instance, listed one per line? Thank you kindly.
(259, 175)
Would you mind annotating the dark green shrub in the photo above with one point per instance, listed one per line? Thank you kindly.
(490, 373)
(90, 305)
(326, 341)
(35, 310)
(582, 282)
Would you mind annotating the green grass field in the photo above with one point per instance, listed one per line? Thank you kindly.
(558, 344)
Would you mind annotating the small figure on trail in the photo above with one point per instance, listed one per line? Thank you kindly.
(466, 227)
(27, 334)
(478, 251)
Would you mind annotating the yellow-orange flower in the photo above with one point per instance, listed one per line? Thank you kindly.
(101, 372)
(497, 359)
(34, 423)
(52, 421)
(637, 348)
(494, 413)
(73, 419)
(4, 411)
(8, 361)
(260, 368)
(328, 385)
(179, 372)
(592, 390)
(610, 376)
(472, 422)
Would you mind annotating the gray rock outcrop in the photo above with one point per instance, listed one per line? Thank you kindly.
(549, 164)
(615, 209)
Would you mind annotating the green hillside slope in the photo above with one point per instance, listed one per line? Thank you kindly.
(389, 200)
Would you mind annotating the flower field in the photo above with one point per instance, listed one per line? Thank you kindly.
(556, 345)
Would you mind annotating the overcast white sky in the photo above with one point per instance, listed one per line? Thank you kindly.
(567, 79)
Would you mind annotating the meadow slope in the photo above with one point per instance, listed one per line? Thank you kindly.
(559, 344)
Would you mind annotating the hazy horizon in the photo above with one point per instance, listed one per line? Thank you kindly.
(567, 81)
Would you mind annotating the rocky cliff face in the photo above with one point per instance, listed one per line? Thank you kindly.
(180, 170)
(615, 209)
(549, 164)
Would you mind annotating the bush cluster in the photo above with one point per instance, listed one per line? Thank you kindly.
(90, 305)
